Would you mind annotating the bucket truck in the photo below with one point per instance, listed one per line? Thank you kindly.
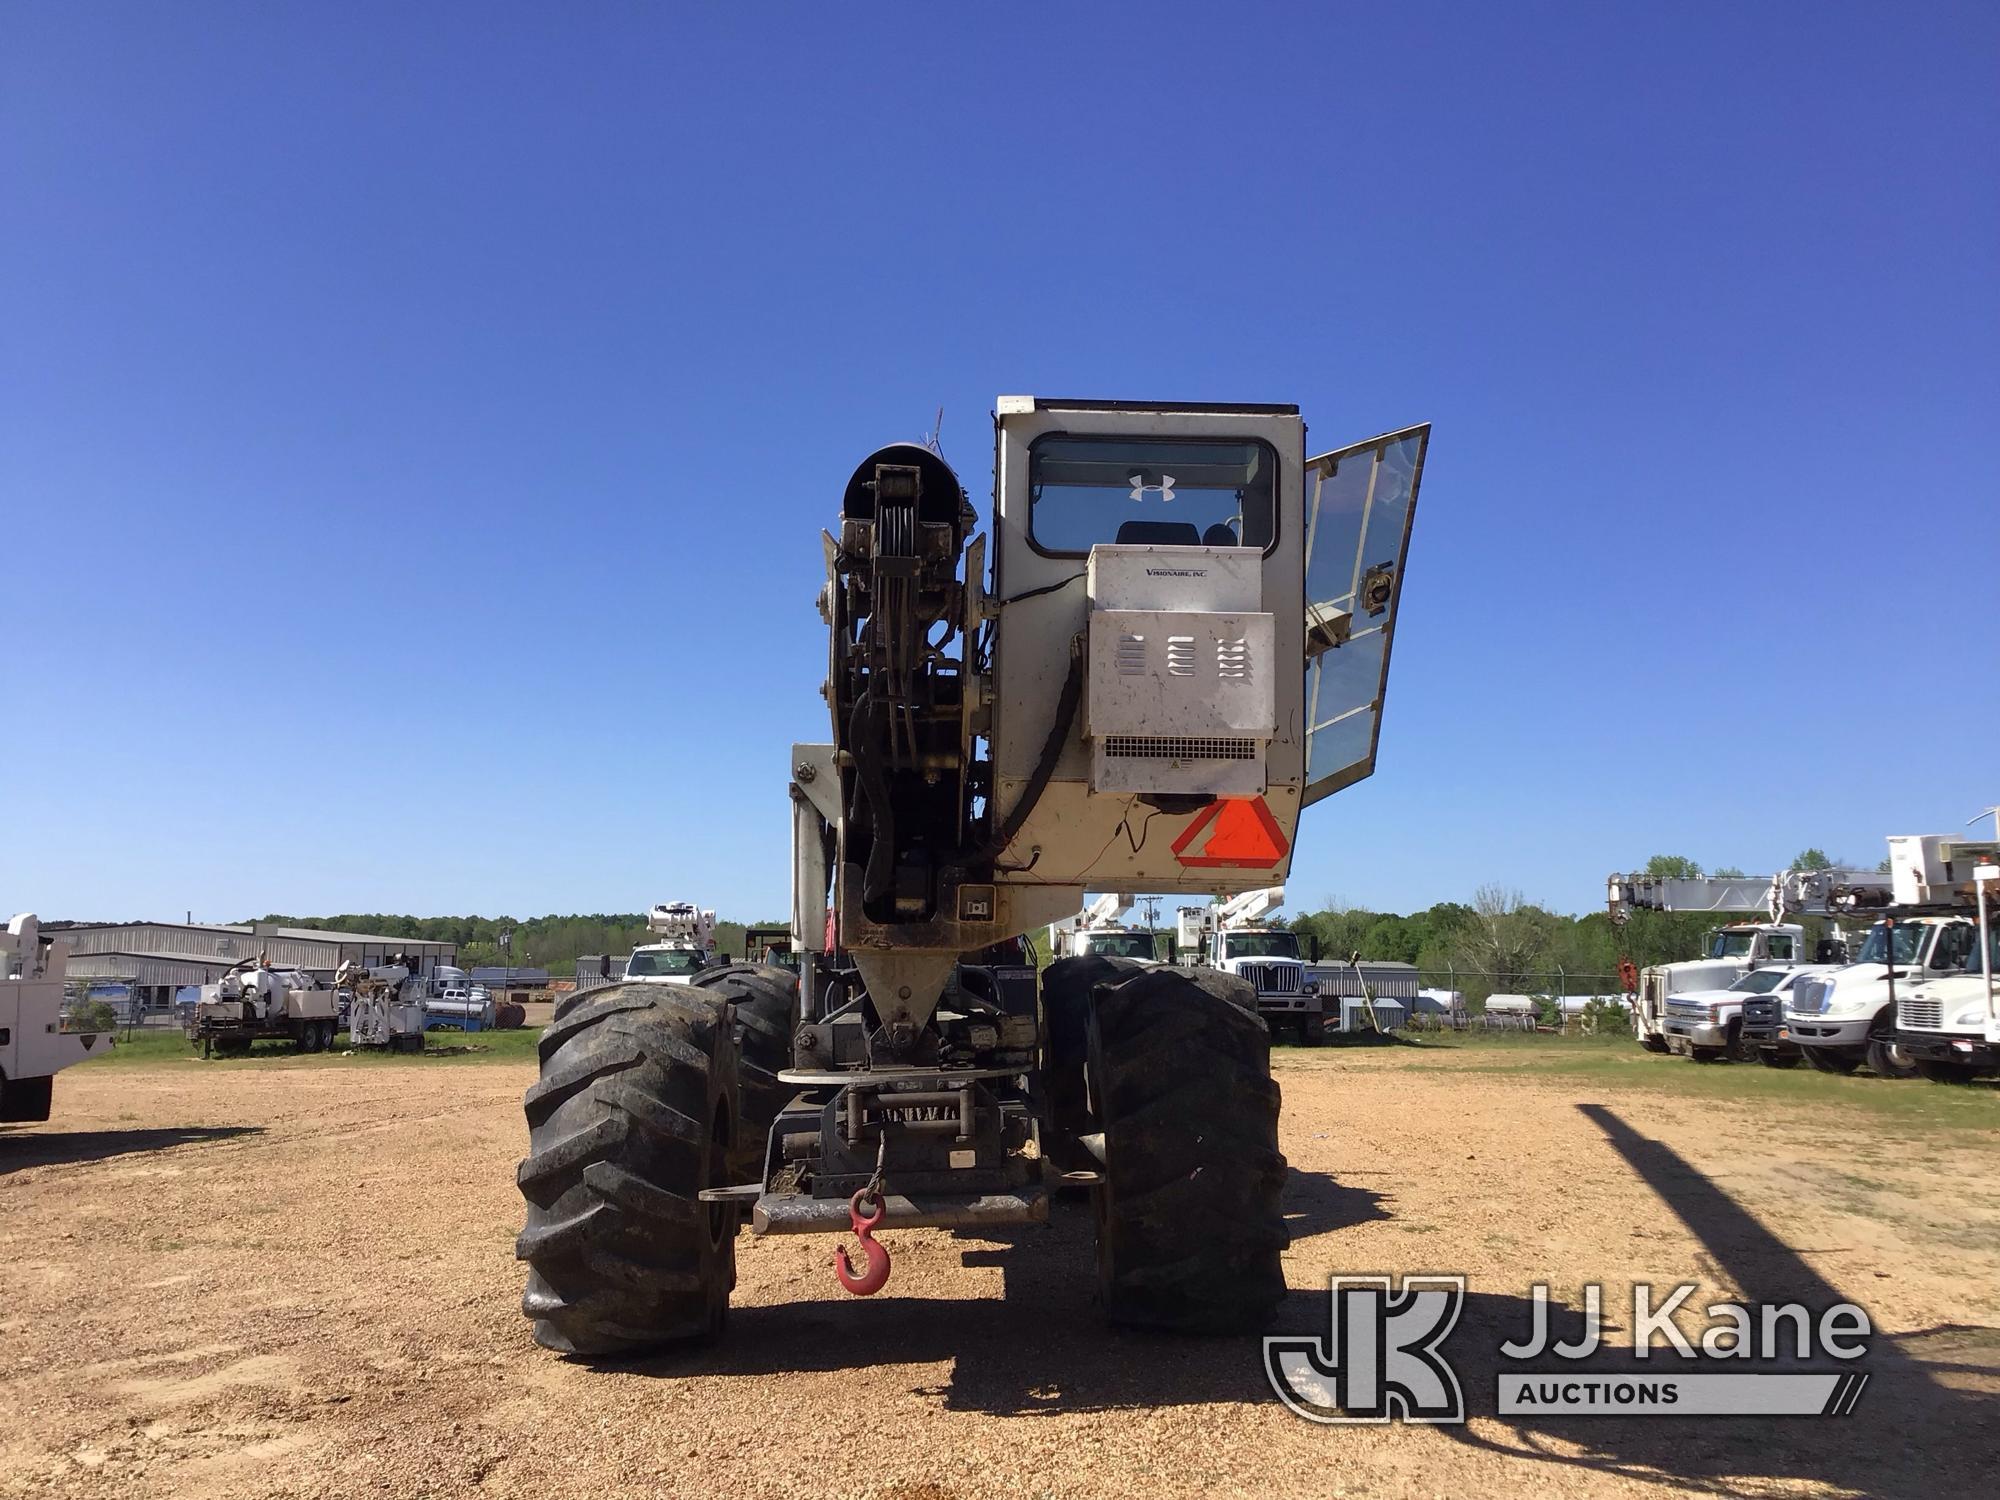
(1949, 1027)
(1927, 933)
(686, 946)
(1100, 928)
(1732, 950)
(1234, 936)
(34, 1046)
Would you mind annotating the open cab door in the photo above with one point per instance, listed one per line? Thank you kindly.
(1359, 503)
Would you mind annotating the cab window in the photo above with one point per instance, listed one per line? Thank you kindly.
(1166, 492)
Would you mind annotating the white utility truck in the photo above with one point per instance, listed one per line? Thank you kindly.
(1949, 1028)
(686, 946)
(1928, 931)
(1736, 949)
(1100, 928)
(255, 1002)
(386, 1004)
(1234, 936)
(34, 1047)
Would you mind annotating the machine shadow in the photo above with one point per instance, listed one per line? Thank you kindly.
(20, 1150)
(1907, 1436)
(1073, 1362)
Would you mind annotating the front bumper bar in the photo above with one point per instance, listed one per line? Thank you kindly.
(795, 1213)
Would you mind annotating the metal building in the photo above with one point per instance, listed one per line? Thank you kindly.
(154, 959)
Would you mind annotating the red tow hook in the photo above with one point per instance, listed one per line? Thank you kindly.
(870, 1281)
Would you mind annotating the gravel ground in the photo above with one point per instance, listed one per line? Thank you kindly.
(298, 1281)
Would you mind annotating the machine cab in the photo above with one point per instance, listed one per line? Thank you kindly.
(1234, 602)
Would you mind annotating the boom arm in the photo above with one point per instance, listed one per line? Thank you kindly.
(1251, 906)
(1788, 893)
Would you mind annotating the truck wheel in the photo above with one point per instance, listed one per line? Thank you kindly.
(1885, 1058)
(1946, 1072)
(766, 997)
(1189, 1227)
(632, 1117)
(1067, 985)
(1705, 1054)
(1826, 1060)
(1773, 1059)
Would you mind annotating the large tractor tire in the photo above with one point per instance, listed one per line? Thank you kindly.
(1189, 1225)
(766, 1000)
(633, 1116)
(1066, 989)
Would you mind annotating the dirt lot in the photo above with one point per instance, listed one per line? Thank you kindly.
(278, 1278)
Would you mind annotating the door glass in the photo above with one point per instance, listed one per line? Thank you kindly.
(1359, 502)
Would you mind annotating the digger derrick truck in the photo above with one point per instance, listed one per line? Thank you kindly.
(385, 1003)
(1183, 640)
(253, 1002)
(1732, 950)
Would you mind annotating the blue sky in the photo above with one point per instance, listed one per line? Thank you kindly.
(416, 422)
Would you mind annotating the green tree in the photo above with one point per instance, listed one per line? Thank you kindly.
(1673, 867)
(1811, 859)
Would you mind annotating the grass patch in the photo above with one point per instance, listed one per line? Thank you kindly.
(1618, 1064)
(170, 1049)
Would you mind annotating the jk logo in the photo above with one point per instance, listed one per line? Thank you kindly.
(1379, 1361)
(1140, 489)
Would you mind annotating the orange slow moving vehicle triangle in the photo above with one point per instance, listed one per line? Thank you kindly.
(1232, 833)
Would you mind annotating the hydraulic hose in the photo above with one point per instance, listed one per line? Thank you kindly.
(1045, 768)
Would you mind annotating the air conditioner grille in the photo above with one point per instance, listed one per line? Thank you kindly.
(1177, 747)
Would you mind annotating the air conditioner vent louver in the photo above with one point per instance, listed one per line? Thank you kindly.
(1131, 655)
(1180, 656)
(1232, 659)
(1177, 747)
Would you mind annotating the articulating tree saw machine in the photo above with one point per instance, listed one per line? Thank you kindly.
(1183, 640)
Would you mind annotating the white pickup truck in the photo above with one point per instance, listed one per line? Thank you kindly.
(1733, 951)
(1709, 1024)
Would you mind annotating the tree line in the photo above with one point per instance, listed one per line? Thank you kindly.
(1498, 943)
(1503, 944)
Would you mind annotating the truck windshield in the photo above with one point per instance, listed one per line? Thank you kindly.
(1971, 962)
(1263, 945)
(1732, 944)
(1760, 983)
(1909, 942)
(1121, 944)
(663, 961)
